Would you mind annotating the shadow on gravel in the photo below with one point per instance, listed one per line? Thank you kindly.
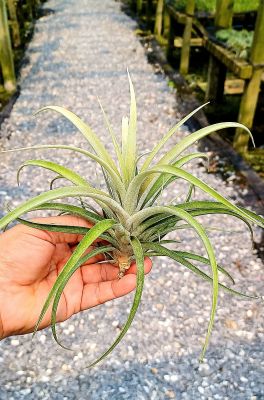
(44, 12)
(234, 373)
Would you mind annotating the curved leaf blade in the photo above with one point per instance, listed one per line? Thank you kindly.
(71, 191)
(66, 229)
(87, 132)
(176, 255)
(71, 209)
(198, 183)
(63, 282)
(189, 140)
(87, 240)
(54, 167)
(136, 219)
(194, 137)
(115, 143)
(139, 257)
(115, 177)
(166, 138)
(205, 260)
(131, 146)
(150, 194)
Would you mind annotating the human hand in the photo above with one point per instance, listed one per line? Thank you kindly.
(30, 261)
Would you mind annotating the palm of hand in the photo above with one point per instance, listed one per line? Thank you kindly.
(30, 262)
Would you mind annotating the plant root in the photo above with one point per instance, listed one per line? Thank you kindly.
(123, 267)
(123, 261)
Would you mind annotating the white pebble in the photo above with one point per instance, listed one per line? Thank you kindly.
(14, 342)
(243, 379)
(20, 372)
(201, 389)
(42, 339)
(65, 367)
(25, 392)
(174, 378)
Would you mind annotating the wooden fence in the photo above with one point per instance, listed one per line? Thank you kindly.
(221, 59)
(16, 22)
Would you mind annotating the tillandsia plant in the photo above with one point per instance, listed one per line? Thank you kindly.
(130, 220)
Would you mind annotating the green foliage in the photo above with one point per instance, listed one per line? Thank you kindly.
(239, 42)
(200, 5)
(209, 5)
(130, 214)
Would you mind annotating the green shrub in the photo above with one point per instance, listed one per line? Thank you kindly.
(239, 42)
(209, 5)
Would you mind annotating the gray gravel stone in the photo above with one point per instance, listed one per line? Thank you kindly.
(79, 52)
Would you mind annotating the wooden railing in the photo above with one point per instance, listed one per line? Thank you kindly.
(250, 71)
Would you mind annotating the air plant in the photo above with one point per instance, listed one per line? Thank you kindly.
(131, 222)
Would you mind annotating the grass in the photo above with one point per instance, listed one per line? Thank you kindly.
(209, 5)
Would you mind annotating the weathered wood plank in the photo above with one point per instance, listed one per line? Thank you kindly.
(149, 12)
(232, 86)
(6, 55)
(247, 111)
(215, 80)
(241, 68)
(166, 23)
(139, 6)
(257, 50)
(14, 22)
(217, 66)
(185, 51)
(181, 19)
(158, 19)
(31, 9)
(250, 97)
(195, 42)
(224, 13)
(171, 37)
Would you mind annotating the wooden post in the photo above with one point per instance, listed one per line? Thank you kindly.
(217, 70)
(224, 13)
(6, 55)
(256, 54)
(215, 81)
(166, 23)
(15, 25)
(186, 40)
(158, 19)
(250, 96)
(132, 4)
(171, 37)
(149, 7)
(247, 110)
(31, 9)
(34, 6)
(139, 6)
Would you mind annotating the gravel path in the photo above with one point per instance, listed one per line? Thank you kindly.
(79, 52)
